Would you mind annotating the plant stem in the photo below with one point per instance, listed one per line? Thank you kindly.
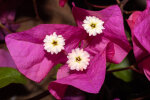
(122, 4)
(118, 2)
(132, 67)
(5, 28)
(36, 10)
(39, 96)
(23, 20)
(96, 6)
(93, 5)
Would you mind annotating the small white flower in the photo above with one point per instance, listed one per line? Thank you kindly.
(78, 59)
(54, 43)
(93, 25)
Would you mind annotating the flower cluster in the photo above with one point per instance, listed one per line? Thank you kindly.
(99, 37)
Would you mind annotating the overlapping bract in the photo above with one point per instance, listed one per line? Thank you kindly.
(34, 62)
(28, 51)
(111, 45)
(113, 33)
(140, 29)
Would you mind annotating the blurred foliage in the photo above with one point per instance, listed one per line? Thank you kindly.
(125, 75)
(56, 69)
(10, 75)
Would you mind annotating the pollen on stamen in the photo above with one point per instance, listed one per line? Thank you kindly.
(93, 25)
(54, 43)
(78, 59)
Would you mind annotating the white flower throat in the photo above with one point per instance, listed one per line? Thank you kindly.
(78, 59)
(54, 43)
(93, 25)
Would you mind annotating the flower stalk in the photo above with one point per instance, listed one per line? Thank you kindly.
(36, 10)
(40, 96)
(120, 3)
(5, 28)
(132, 67)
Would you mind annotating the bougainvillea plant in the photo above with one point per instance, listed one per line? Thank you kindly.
(95, 54)
(42, 47)
(102, 42)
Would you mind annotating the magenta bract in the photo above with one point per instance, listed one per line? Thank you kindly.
(140, 29)
(27, 50)
(111, 44)
(62, 2)
(114, 32)
(34, 62)
(89, 80)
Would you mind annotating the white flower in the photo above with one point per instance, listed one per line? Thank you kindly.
(93, 25)
(54, 43)
(78, 59)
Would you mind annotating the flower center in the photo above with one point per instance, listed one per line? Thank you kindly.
(78, 59)
(93, 25)
(54, 43)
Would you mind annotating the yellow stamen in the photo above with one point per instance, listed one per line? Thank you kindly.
(78, 59)
(55, 43)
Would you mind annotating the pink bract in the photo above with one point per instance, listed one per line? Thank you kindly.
(140, 29)
(114, 32)
(62, 2)
(90, 80)
(111, 44)
(27, 50)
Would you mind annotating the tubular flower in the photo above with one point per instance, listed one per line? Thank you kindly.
(93, 25)
(78, 59)
(37, 50)
(54, 43)
(104, 39)
(140, 29)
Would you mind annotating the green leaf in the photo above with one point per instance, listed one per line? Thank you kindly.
(125, 75)
(10, 75)
(56, 69)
